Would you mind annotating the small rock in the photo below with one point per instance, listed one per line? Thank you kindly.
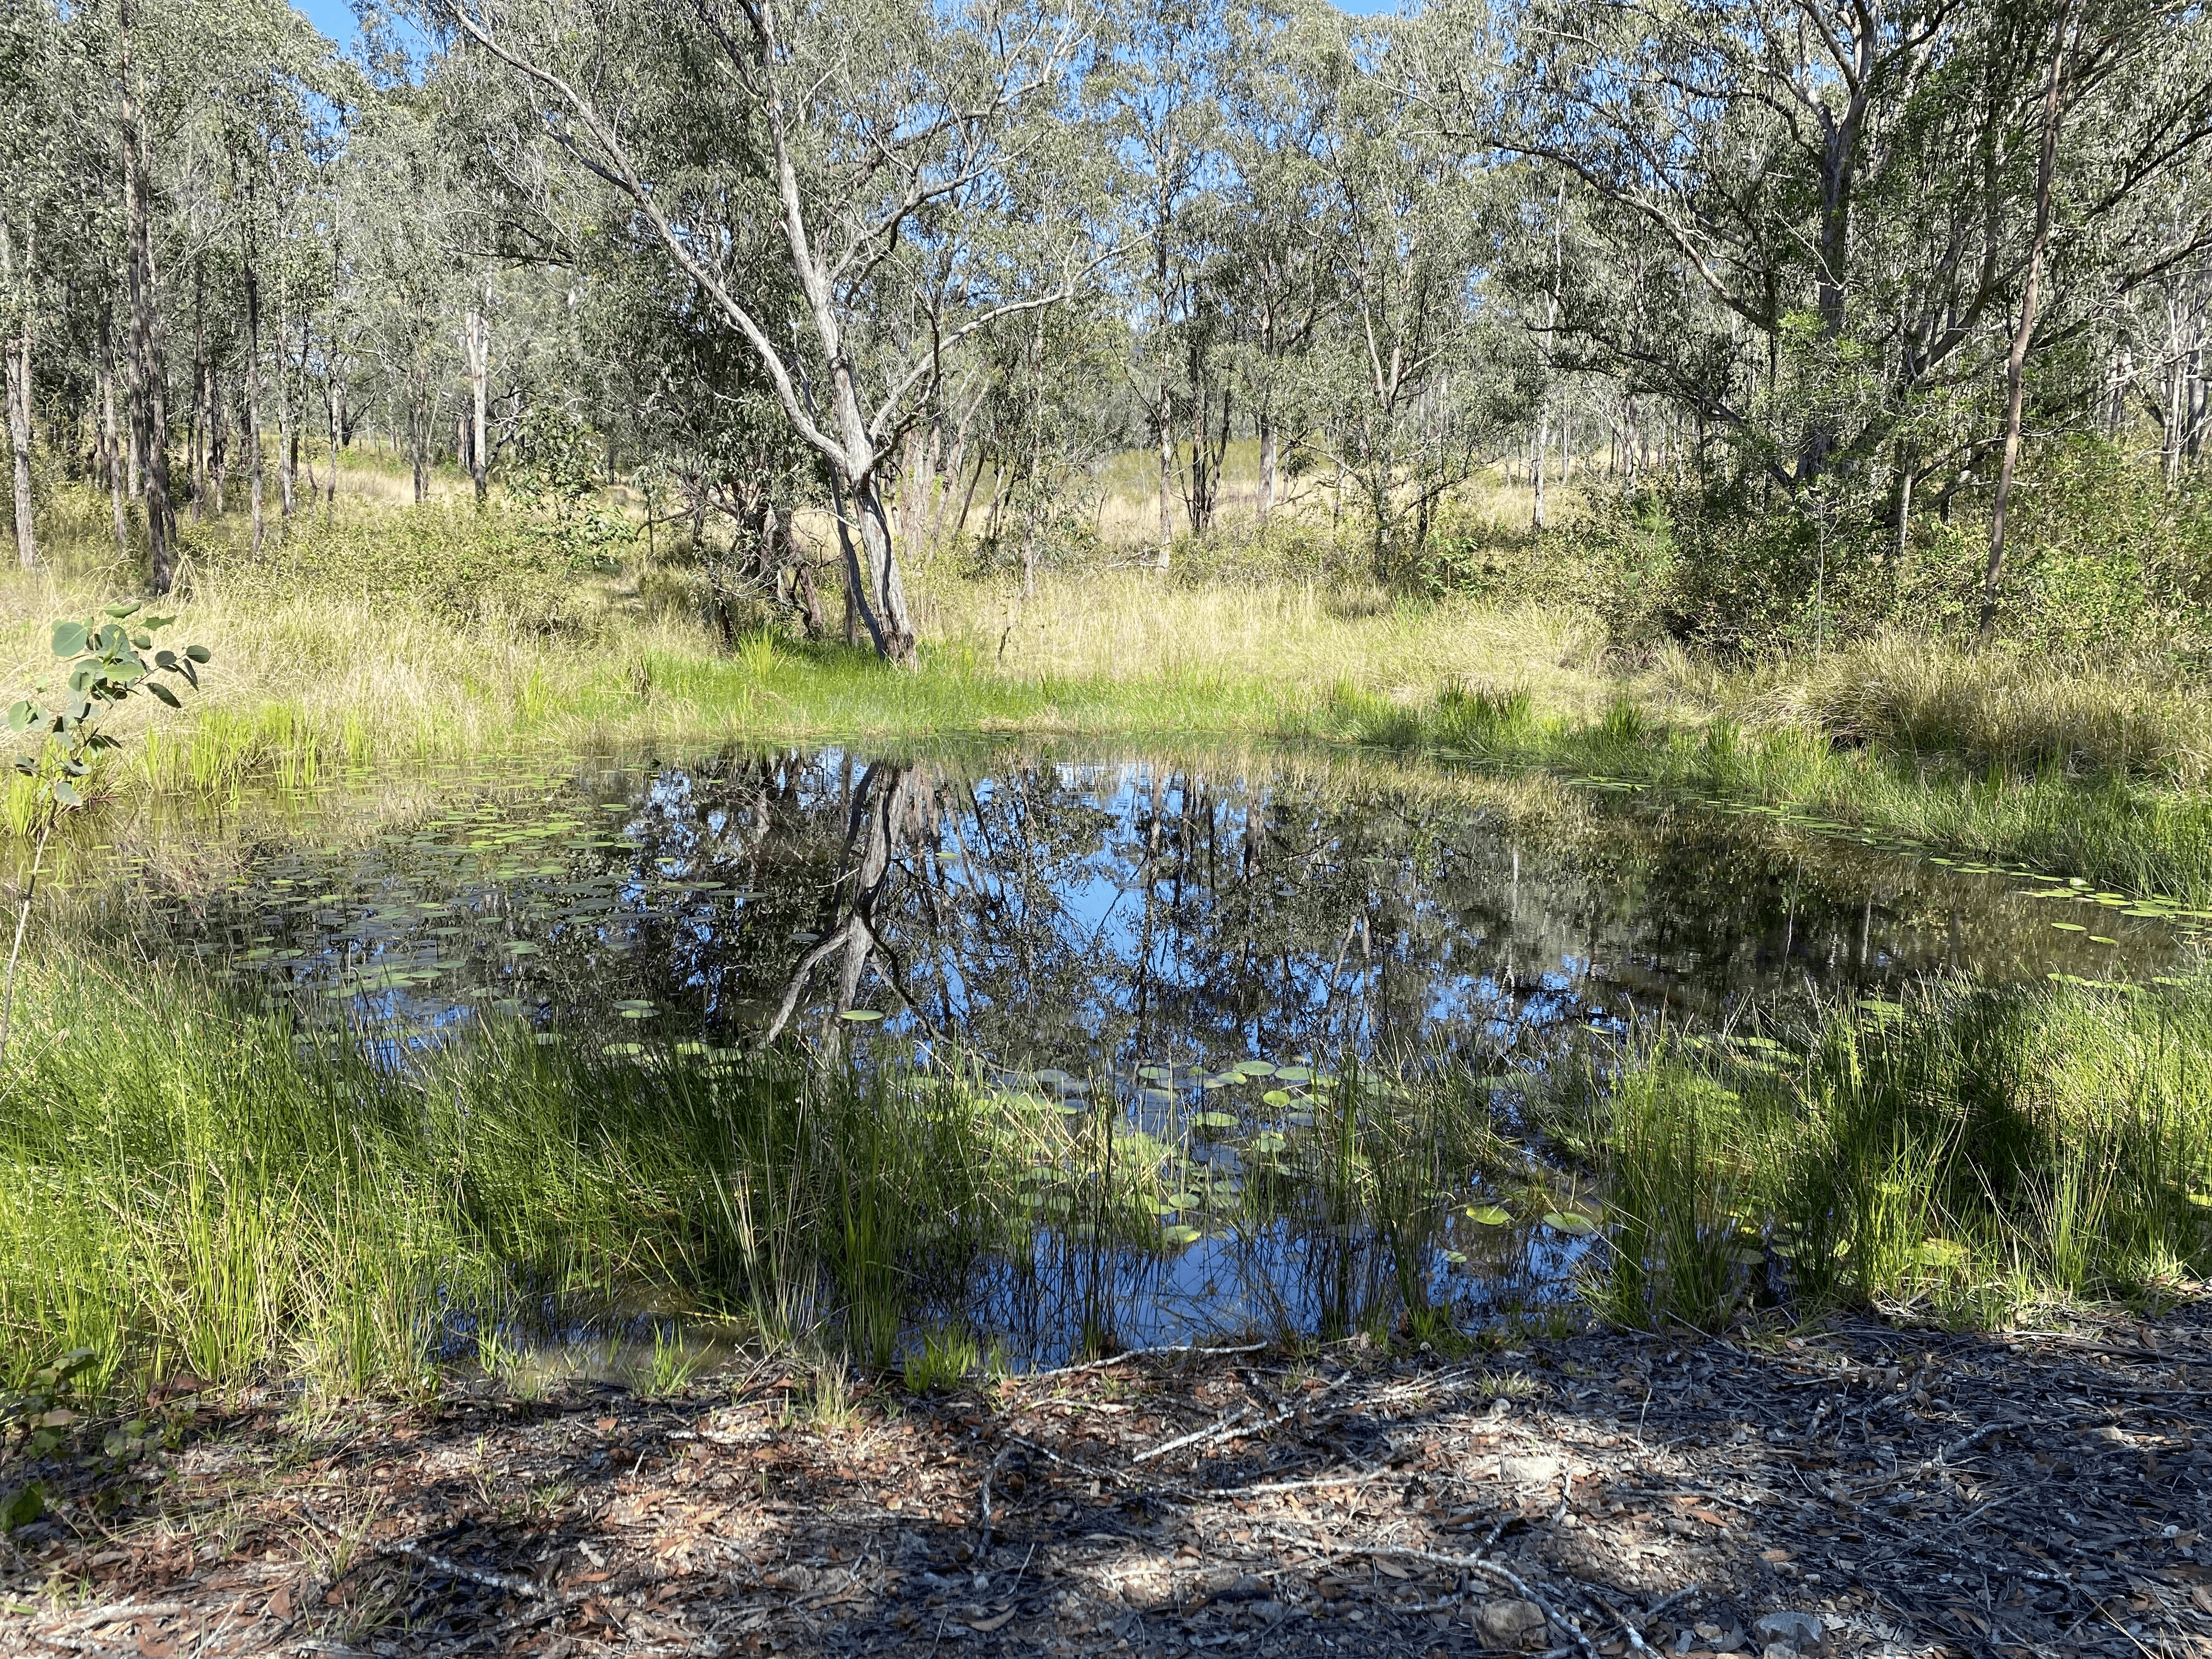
(1528, 1471)
(1780, 1651)
(1800, 1632)
(1510, 1622)
(1227, 1584)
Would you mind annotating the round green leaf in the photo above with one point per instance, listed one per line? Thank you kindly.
(1567, 1222)
(69, 639)
(200, 653)
(860, 1016)
(1488, 1215)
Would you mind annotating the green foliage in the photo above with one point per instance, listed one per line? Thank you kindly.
(104, 660)
(947, 1357)
(1675, 1175)
(1976, 1149)
(2102, 559)
(464, 566)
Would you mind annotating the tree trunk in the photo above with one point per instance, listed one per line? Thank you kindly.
(418, 450)
(2017, 358)
(1266, 467)
(253, 456)
(476, 341)
(148, 375)
(333, 397)
(1536, 453)
(19, 387)
(1167, 470)
(195, 423)
(113, 439)
(288, 442)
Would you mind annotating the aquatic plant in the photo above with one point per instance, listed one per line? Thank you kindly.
(1974, 1149)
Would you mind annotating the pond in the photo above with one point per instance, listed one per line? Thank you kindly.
(1191, 944)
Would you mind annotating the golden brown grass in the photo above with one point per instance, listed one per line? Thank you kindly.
(1919, 698)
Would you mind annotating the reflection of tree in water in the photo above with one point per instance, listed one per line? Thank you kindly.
(887, 806)
(1064, 914)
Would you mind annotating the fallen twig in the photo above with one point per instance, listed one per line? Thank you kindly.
(513, 1583)
(1237, 1427)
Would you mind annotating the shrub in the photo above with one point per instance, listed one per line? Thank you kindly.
(457, 562)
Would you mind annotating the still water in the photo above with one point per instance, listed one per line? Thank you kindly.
(1116, 928)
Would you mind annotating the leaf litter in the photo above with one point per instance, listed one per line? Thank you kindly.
(1869, 1489)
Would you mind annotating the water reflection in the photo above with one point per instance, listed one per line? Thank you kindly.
(1100, 915)
(1185, 945)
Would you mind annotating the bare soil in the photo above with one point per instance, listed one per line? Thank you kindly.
(1913, 1492)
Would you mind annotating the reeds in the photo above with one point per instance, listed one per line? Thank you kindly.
(1976, 1150)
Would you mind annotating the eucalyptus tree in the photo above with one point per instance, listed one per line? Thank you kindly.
(1420, 374)
(861, 151)
(1873, 168)
(1157, 84)
(32, 127)
(257, 140)
(35, 129)
(404, 297)
(1279, 267)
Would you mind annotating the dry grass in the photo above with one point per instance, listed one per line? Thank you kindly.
(1919, 699)
(1129, 626)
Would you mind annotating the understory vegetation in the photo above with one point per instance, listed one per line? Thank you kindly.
(193, 1187)
(388, 635)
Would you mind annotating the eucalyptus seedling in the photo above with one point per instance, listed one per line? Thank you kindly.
(104, 661)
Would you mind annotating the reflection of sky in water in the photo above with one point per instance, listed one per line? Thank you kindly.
(1102, 917)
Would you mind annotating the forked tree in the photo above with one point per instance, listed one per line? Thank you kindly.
(888, 157)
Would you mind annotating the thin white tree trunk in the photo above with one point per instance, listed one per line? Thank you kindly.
(19, 388)
(475, 342)
(2016, 358)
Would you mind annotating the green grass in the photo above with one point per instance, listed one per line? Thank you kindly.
(2143, 835)
(1975, 1152)
(393, 637)
(189, 1186)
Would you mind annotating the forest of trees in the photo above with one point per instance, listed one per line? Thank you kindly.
(1830, 260)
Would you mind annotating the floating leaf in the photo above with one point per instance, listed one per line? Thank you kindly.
(1215, 1120)
(860, 1016)
(1567, 1222)
(1277, 1097)
(1489, 1215)
(1255, 1068)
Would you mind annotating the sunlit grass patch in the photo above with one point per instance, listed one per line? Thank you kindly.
(1969, 1151)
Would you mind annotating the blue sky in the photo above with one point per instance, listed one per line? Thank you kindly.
(333, 18)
